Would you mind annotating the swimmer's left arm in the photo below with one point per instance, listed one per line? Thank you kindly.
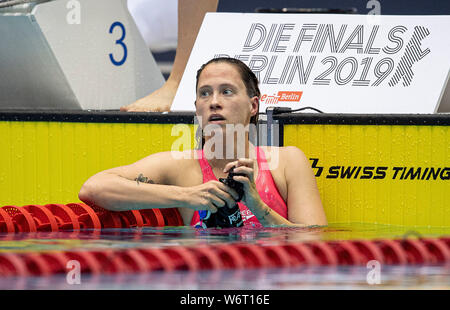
(303, 198)
(251, 198)
(265, 215)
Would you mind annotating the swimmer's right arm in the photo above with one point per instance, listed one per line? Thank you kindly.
(147, 184)
(132, 187)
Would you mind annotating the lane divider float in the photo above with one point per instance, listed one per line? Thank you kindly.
(76, 216)
(217, 256)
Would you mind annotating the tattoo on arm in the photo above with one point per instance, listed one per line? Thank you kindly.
(267, 212)
(143, 179)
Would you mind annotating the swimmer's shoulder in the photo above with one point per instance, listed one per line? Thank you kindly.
(283, 150)
(284, 156)
(182, 167)
(171, 158)
(163, 167)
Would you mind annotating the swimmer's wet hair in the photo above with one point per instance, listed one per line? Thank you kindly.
(248, 78)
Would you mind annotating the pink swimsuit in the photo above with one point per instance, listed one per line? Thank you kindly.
(265, 185)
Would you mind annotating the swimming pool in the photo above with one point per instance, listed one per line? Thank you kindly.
(69, 147)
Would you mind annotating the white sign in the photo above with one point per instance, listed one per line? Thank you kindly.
(335, 63)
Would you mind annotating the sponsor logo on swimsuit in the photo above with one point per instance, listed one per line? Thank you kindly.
(235, 217)
(246, 214)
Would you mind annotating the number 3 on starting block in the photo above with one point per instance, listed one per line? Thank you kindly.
(90, 52)
(120, 42)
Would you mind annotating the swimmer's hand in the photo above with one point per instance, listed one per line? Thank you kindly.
(210, 196)
(245, 166)
(251, 198)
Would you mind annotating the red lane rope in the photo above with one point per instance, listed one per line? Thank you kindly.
(65, 217)
(44, 219)
(368, 250)
(75, 216)
(207, 257)
(416, 252)
(171, 217)
(152, 217)
(135, 260)
(109, 262)
(393, 252)
(110, 220)
(182, 258)
(6, 222)
(12, 265)
(277, 255)
(300, 254)
(37, 265)
(131, 218)
(438, 250)
(253, 255)
(56, 261)
(230, 256)
(157, 259)
(88, 263)
(22, 219)
(347, 253)
(324, 253)
(86, 215)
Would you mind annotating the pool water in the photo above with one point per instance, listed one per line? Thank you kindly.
(323, 277)
(317, 277)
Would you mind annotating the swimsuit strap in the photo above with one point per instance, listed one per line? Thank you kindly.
(207, 172)
(267, 187)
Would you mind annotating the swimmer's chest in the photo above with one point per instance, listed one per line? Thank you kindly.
(193, 176)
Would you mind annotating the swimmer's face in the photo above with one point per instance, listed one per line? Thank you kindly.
(222, 97)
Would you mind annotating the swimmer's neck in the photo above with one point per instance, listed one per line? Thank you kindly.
(230, 152)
